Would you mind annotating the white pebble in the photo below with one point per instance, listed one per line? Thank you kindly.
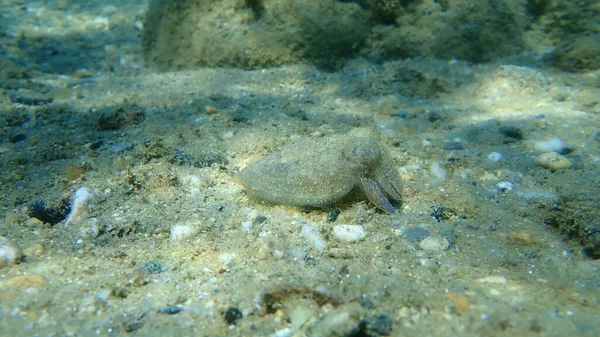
(182, 232)
(552, 161)
(438, 171)
(493, 279)
(349, 233)
(494, 157)
(434, 244)
(79, 206)
(247, 226)
(550, 145)
(10, 253)
(507, 186)
(311, 234)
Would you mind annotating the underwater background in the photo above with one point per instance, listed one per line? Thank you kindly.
(134, 200)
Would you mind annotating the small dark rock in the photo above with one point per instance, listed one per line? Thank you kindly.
(381, 326)
(415, 234)
(51, 213)
(232, 315)
(332, 216)
(434, 116)
(17, 98)
(182, 158)
(19, 137)
(95, 145)
(210, 156)
(366, 303)
(566, 151)
(512, 132)
(259, 219)
(453, 146)
(127, 114)
(440, 213)
(132, 326)
(171, 310)
(153, 267)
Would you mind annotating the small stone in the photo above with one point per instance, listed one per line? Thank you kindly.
(183, 231)
(10, 253)
(153, 267)
(512, 132)
(550, 145)
(349, 233)
(232, 315)
(35, 250)
(381, 326)
(434, 244)
(415, 234)
(332, 216)
(453, 146)
(553, 161)
(494, 157)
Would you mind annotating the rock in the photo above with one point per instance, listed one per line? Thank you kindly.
(10, 253)
(553, 161)
(434, 244)
(182, 231)
(349, 233)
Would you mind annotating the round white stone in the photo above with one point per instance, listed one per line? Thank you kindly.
(434, 244)
(182, 232)
(494, 156)
(349, 233)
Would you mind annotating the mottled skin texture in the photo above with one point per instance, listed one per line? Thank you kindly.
(317, 173)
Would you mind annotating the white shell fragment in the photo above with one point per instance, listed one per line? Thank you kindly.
(349, 233)
(434, 244)
(10, 253)
(311, 234)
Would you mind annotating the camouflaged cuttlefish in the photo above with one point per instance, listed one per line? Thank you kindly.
(321, 172)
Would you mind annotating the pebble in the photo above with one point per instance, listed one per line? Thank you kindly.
(415, 234)
(181, 232)
(553, 161)
(434, 244)
(311, 234)
(494, 157)
(232, 315)
(511, 132)
(453, 146)
(550, 145)
(10, 253)
(349, 233)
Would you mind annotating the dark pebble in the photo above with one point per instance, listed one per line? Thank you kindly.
(132, 326)
(439, 213)
(95, 145)
(566, 151)
(232, 315)
(153, 267)
(332, 216)
(434, 116)
(453, 146)
(415, 234)
(512, 132)
(182, 158)
(210, 156)
(50, 213)
(30, 100)
(382, 325)
(17, 138)
(366, 303)
(171, 310)
(259, 219)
